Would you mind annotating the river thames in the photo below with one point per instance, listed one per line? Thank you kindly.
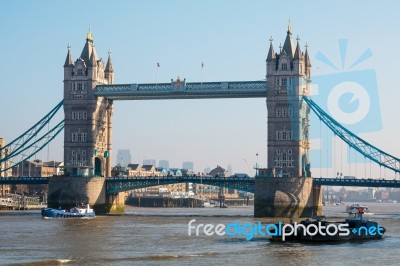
(159, 236)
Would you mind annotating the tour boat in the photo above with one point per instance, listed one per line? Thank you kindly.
(355, 208)
(76, 212)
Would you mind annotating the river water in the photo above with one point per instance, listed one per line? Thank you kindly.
(159, 236)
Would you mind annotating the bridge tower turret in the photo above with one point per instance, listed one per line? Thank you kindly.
(109, 72)
(288, 79)
(284, 188)
(87, 131)
(87, 142)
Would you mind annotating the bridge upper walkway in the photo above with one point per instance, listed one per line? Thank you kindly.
(183, 90)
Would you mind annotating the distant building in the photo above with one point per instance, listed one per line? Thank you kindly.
(163, 164)
(3, 153)
(207, 170)
(6, 164)
(149, 162)
(124, 157)
(134, 170)
(229, 169)
(37, 168)
(188, 165)
(221, 172)
(218, 171)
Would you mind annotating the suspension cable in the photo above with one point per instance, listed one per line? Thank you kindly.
(373, 153)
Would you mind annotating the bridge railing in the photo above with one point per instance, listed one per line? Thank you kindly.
(184, 178)
(118, 184)
(357, 182)
(24, 180)
(175, 89)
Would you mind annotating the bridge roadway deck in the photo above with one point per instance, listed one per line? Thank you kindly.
(118, 184)
(183, 90)
(357, 182)
(24, 180)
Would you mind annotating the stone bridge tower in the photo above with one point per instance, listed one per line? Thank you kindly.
(288, 79)
(87, 132)
(285, 188)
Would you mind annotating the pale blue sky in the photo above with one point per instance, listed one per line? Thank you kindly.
(230, 37)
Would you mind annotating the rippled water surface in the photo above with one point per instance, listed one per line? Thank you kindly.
(159, 236)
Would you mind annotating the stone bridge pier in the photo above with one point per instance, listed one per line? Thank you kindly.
(70, 191)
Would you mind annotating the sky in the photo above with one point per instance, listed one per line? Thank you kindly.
(231, 38)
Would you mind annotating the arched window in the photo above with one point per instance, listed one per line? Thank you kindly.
(83, 156)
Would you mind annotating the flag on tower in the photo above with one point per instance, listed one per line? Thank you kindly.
(158, 64)
(202, 64)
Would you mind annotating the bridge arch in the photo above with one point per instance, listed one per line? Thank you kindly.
(98, 166)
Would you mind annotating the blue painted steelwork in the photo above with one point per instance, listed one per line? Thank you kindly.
(31, 141)
(183, 90)
(119, 184)
(24, 180)
(357, 182)
(21, 141)
(27, 150)
(368, 150)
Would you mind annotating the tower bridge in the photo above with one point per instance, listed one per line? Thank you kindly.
(286, 188)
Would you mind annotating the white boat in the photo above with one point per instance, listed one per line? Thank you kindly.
(357, 208)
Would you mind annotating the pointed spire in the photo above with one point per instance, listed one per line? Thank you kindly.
(306, 57)
(88, 48)
(288, 44)
(89, 35)
(289, 28)
(297, 53)
(109, 66)
(68, 60)
(93, 58)
(271, 52)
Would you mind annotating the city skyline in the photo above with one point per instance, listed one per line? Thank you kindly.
(217, 49)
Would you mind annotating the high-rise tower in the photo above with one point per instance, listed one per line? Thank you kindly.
(288, 79)
(87, 135)
(87, 144)
(284, 189)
